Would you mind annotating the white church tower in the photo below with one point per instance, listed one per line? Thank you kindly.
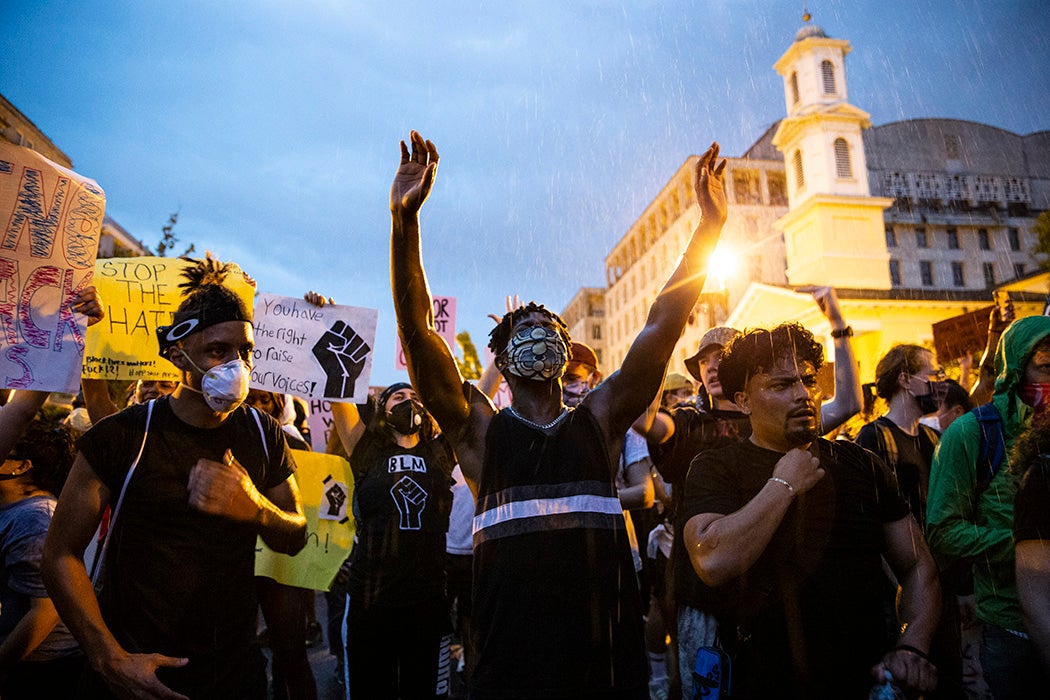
(834, 232)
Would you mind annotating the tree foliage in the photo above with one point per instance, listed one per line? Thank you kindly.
(1042, 246)
(168, 239)
(470, 366)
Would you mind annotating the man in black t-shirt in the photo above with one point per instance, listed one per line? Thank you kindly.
(176, 614)
(785, 532)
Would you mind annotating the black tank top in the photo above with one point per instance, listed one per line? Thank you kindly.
(556, 604)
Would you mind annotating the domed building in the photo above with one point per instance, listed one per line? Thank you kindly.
(913, 222)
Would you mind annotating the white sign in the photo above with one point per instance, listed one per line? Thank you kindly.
(50, 223)
(316, 352)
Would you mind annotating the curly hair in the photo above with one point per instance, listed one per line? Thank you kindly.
(500, 335)
(900, 358)
(49, 446)
(757, 351)
(1032, 445)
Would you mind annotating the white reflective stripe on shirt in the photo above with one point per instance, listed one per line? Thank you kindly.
(514, 510)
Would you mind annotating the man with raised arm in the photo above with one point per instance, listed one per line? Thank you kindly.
(176, 614)
(556, 605)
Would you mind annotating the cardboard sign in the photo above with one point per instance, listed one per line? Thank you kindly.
(444, 324)
(140, 294)
(956, 336)
(50, 224)
(326, 487)
(317, 352)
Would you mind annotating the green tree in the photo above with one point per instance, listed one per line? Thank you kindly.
(168, 239)
(470, 366)
(1042, 246)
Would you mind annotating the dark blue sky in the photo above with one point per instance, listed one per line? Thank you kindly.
(272, 126)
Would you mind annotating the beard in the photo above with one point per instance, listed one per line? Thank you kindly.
(803, 434)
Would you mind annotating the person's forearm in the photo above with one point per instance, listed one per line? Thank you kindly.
(849, 396)
(16, 414)
(74, 598)
(281, 530)
(730, 545)
(490, 380)
(411, 291)
(920, 604)
(97, 400)
(27, 635)
(638, 496)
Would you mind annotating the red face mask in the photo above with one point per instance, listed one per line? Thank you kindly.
(1035, 395)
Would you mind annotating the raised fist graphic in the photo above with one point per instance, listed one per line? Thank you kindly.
(410, 499)
(336, 496)
(342, 353)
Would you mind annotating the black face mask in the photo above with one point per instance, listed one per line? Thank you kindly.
(406, 417)
(930, 402)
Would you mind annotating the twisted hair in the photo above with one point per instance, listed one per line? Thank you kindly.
(500, 335)
(203, 288)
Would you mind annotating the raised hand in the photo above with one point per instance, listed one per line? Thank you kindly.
(89, 303)
(710, 188)
(342, 354)
(415, 175)
(828, 302)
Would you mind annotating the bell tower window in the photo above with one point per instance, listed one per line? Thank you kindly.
(843, 168)
(800, 180)
(794, 88)
(827, 72)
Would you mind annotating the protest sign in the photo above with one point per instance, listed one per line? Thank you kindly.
(317, 352)
(52, 221)
(141, 294)
(444, 324)
(320, 422)
(326, 487)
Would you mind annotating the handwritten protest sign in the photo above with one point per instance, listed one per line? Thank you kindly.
(313, 351)
(326, 486)
(320, 422)
(140, 294)
(50, 223)
(444, 324)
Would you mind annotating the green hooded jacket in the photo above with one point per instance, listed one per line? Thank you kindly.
(961, 524)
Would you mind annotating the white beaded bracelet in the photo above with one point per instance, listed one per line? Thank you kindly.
(784, 482)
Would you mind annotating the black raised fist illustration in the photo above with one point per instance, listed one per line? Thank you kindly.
(336, 496)
(341, 352)
(410, 499)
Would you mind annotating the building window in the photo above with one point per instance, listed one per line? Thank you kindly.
(984, 241)
(958, 278)
(778, 190)
(891, 237)
(953, 238)
(989, 274)
(747, 189)
(794, 88)
(952, 146)
(926, 273)
(800, 180)
(920, 238)
(1015, 238)
(1019, 270)
(843, 168)
(827, 71)
(895, 273)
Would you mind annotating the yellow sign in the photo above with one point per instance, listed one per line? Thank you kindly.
(326, 486)
(140, 294)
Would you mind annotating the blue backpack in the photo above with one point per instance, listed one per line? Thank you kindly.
(993, 445)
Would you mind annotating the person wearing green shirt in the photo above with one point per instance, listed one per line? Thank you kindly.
(967, 519)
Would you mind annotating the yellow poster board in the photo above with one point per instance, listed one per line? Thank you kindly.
(140, 294)
(326, 487)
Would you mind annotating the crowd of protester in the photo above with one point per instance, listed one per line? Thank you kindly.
(626, 534)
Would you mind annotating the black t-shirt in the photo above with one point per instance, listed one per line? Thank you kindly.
(402, 499)
(180, 582)
(912, 463)
(1032, 507)
(811, 602)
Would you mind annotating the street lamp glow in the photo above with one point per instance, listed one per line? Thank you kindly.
(721, 265)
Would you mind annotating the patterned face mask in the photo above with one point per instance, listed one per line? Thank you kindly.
(536, 353)
(1035, 395)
